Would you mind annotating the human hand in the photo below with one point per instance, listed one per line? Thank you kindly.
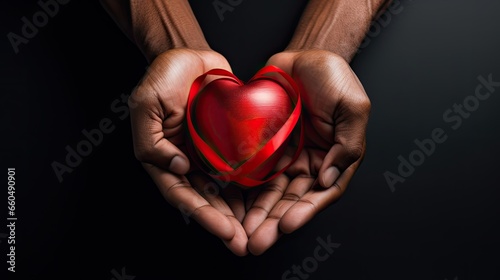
(158, 111)
(336, 110)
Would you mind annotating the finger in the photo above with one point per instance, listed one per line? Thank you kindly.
(148, 132)
(251, 196)
(180, 194)
(263, 238)
(211, 191)
(269, 231)
(219, 197)
(260, 208)
(349, 147)
(315, 201)
(233, 196)
(238, 244)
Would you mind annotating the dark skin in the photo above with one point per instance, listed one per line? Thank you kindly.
(336, 107)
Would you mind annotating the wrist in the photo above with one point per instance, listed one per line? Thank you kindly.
(162, 25)
(334, 25)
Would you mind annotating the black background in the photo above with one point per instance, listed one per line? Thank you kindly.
(440, 223)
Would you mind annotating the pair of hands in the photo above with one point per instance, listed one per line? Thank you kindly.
(336, 110)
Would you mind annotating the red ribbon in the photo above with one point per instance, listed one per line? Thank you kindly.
(221, 169)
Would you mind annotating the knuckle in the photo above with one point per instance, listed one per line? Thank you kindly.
(354, 152)
(359, 107)
(143, 155)
(140, 96)
(364, 104)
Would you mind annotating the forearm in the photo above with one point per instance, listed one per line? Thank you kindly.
(338, 26)
(156, 26)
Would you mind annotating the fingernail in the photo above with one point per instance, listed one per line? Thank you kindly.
(330, 176)
(179, 165)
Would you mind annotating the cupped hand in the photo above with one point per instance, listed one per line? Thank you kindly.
(335, 111)
(158, 112)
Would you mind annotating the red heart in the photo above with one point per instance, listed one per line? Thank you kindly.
(240, 131)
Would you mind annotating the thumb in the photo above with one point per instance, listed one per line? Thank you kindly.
(165, 155)
(349, 142)
(337, 160)
(153, 142)
(349, 146)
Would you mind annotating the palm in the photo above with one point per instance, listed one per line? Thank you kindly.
(335, 115)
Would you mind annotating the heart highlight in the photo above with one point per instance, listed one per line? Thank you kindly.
(239, 131)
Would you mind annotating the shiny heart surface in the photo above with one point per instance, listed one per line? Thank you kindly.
(240, 131)
(237, 120)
